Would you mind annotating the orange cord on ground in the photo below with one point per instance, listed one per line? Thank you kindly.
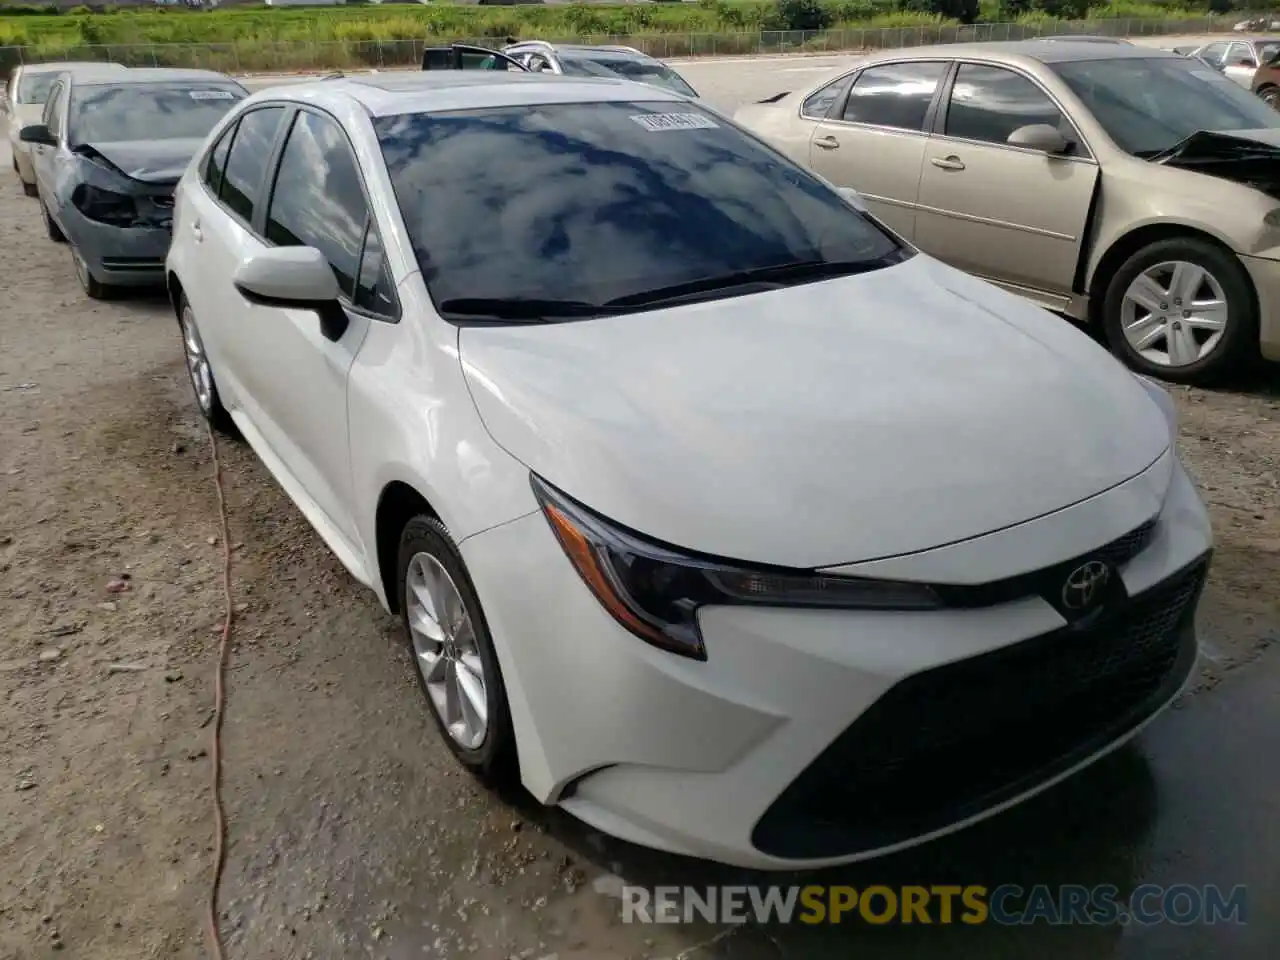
(215, 750)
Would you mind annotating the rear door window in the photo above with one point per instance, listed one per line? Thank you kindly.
(895, 94)
(242, 180)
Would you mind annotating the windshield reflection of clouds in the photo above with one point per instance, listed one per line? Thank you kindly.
(317, 200)
(1149, 105)
(137, 111)
(580, 202)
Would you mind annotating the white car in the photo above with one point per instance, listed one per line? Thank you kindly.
(715, 512)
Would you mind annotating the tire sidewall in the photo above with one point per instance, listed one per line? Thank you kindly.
(1239, 340)
(217, 415)
(494, 758)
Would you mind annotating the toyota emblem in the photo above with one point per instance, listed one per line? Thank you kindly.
(1085, 585)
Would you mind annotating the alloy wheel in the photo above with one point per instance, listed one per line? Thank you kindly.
(197, 362)
(1174, 313)
(444, 646)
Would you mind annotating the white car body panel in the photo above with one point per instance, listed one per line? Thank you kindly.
(912, 423)
(687, 399)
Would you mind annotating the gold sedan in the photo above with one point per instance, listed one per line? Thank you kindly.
(1129, 188)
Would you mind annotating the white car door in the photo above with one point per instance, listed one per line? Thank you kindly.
(293, 374)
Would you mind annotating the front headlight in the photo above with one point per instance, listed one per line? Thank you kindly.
(655, 590)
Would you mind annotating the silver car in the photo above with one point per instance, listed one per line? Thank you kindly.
(1240, 57)
(107, 155)
(574, 60)
(27, 90)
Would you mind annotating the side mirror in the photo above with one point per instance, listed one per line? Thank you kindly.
(294, 278)
(37, 133)
(1039, 136)
(852, 198)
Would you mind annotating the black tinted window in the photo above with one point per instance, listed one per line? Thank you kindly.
(373, 288)
(818, 104)
(216, 162)
(317, 200)
(148, 111)
(250, 151)
(1147, 106)
(895, 95)
(595, 201)
(988, 103)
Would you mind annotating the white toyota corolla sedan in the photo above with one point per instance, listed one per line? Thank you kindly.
(714, 512)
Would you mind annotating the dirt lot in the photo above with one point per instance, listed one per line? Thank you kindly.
(352, 833)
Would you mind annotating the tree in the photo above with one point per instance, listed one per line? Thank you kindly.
(800, 15)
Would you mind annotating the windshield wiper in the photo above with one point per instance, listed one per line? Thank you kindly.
(770, 278)
(517, 309)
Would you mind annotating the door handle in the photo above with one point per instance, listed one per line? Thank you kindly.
(196, 231)
(827, 143)
(948, 163)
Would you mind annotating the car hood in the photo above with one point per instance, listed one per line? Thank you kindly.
(1251, 157)
(151, 161)
(822, 424)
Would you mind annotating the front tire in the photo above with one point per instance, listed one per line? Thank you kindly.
(93, 288)
(1182, 309)
(1271, 97)
(453, 652)
(54, 231)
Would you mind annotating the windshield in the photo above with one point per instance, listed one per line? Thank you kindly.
(148, 111)
(631, 68)
(1268, 52)
(35, 87)
(592, 202)
(1147, 106)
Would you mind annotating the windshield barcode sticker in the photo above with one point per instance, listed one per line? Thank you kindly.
(210, 94)
(655, 122)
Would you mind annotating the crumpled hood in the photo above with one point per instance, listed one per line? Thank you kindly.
(1251, 157)
(150, 161)
(822, 424)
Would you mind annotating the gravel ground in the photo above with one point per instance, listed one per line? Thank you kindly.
(352, 832)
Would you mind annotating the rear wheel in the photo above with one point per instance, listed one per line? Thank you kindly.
(456, 664)
(201, 372)
(1182, 309)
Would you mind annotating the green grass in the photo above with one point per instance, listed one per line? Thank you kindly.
(259, 38)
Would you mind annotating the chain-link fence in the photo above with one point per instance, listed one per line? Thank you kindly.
(251, 56)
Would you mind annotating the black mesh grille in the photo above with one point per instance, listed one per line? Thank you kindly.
(943, 745)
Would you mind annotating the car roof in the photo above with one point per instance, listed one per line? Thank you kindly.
(616, 52)
(389, 94)
(1015, 51)
(1081, 38)
(155, 75)
(56, 66)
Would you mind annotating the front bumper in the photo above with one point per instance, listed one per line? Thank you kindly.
(1266, 281)
(816, 737)
(119, 256)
